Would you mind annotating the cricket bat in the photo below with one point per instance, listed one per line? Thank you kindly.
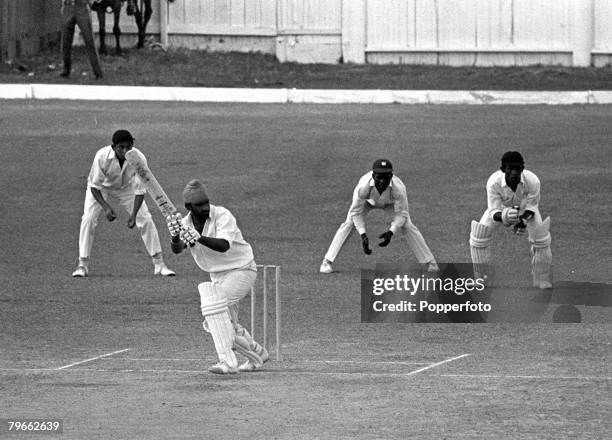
(155, 190)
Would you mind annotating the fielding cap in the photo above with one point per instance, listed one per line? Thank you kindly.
(382, 166)
(512, 157)
(122, 136)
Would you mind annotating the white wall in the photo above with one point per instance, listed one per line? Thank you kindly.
(309, 31)
(457, 31)
(454, 32)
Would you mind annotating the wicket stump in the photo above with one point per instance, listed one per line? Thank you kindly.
(266, 268)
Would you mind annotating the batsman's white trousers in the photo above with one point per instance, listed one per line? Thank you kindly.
(415, 239)
(236, 284)
(92, 211)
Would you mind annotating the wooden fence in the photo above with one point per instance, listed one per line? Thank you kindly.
(28, 25)
(487, 32)
(449, 32)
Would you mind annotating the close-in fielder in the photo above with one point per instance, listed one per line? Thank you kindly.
(513, 196)
(112, 178)
(380, 189)
(217, 246)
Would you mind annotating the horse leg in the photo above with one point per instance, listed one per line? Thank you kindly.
(148, 11)
(116, 29)
(139, 22)
(102, 30)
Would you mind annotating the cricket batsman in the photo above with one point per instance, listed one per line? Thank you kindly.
(216, 244)
(513, 196)
(380, 189)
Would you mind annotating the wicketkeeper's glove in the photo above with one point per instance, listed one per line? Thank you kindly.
(520, 227)
(365, 243)
(510, 216)
(174, 224)
(386, 236)
(189, 236)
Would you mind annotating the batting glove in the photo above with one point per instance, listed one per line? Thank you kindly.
(510, 216)
(365, 243)
(174, 224)
(189, 236)
(386, 236)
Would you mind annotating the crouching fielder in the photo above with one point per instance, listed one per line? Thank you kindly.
(217, 246)
(380, 189)
(513, 195)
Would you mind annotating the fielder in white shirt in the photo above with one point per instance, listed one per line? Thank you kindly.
(380, 189)
(211, 234)
(513, 196)
(111, 178)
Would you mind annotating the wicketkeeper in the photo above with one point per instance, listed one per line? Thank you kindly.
(513, 196)
(380, 189)
(211, 234)
(112, 179)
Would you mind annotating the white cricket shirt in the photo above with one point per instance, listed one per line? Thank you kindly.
(393, 196)
(500, 195)
(106, 173)
(221, 224)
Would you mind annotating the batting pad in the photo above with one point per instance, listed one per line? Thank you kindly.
(542, 237)
(480, 237)
(218, 322)
(242, 346)
(541, 260)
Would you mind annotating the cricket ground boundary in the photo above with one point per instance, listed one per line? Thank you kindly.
(301, 96)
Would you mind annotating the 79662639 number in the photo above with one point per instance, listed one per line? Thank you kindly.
(31, 426)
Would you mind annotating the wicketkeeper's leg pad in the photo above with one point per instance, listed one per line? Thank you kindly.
(217, 322)
(480, 237)
(541, 256)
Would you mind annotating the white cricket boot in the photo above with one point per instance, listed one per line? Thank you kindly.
(162, 269)
(326, 267)
(248, 366)
(432, 267)
(222, 367)
(80, 272)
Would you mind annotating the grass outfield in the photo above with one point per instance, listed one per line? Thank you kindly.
(193, 68)
(287, 172)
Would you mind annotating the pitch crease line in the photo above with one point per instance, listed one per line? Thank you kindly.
(526, 376)
(301, 360)
(28, 369)
(365, 362)
(437, 364)
(166, 359)
(92, 359)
